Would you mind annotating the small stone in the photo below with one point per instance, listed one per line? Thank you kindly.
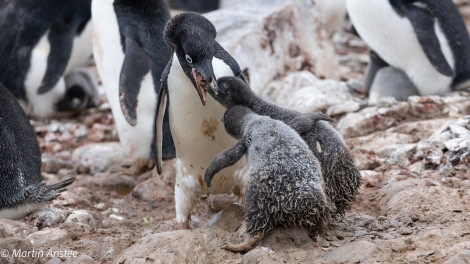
(99, 157)
(229, 218)
(463, 257)
(354, 252)
(116, 217)
(52, 165)
(109, 248)
(49, 216)
(100, 206)
(82, 217)
(7, 247)
(154, 190)
(54, 261)
(11, 228)
(46, 236)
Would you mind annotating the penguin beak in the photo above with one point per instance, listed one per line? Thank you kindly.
(204, 80)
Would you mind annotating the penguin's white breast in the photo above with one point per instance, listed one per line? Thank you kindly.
(82, 48)
(394, 39)
(41, 105)
(197, 130)
(109, 58)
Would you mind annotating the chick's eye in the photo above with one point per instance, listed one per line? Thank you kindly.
(188, 59)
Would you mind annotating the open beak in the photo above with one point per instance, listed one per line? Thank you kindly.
(202, 84)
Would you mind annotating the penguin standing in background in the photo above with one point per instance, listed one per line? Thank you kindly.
(285, 185)
(43, 40)
(200, 6)
(198, 59)
(341, 177)
(425, 40)
(21, 188)
(130, 55)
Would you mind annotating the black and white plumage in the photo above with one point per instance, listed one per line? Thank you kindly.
(200, 6)
(198, 59)
(130, 55)
(285, 185)
(341, 177)
(426, 39)
(42, 41)
(21, 188)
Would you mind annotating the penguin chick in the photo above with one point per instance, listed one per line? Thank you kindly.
(285, 186)
(342, 179)
(21, 188)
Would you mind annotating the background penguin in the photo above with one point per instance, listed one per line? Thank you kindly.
(130, 55)
(425, 39)
(341, 177)
(195, 117)
(21, 188)
(285, 186)
(200, 6)
(43, 40)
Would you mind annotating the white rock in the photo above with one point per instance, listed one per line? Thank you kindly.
(47, 236)
(272, 38)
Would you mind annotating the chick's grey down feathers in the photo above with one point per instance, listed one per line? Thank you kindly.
(340, 175)
(285, 186)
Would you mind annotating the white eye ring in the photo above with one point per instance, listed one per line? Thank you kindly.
(188, 59)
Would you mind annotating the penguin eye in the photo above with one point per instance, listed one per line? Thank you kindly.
(188, 59)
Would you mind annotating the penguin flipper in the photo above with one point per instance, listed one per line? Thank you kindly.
(222, 54)
(225, 159)
(423, 22)
(161, 109)
(135, 66)
(61, 42)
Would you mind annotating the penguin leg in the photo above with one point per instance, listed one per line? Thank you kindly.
(245, 246)
(186, 195)
(375, 64)
(393, 83)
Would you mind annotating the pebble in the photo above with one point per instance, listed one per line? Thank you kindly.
(354, 252)
(47, 217)
(82, 217)
(229, 218)
(99, 157)
(46, 236)
(12, 228)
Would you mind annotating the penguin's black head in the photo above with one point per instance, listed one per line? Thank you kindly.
(234, 91)
(234, 120)
(192, 37)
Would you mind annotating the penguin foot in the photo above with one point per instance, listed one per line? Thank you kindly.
(245, 246)
(183, 225)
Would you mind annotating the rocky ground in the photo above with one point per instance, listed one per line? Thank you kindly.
(413, 206)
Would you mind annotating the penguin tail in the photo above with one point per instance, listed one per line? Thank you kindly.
(58, 187)
(39, 193)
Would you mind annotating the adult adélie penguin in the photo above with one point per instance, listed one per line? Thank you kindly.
(198, 59)
(22, 189)
(42, 42)
(130, 55)
(426, 39)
